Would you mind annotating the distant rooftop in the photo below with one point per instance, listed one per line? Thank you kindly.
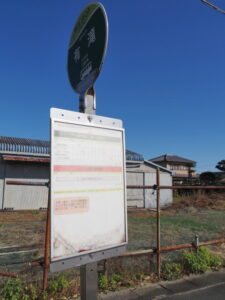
(20, 145)
(172, 158)
(39, 147)
(133, 156)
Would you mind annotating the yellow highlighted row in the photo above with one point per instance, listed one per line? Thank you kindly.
(85, 191)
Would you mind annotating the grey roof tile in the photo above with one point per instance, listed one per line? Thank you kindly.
(31, 146)
(172, 158)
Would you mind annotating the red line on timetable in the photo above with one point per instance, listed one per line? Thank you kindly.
(71, 168)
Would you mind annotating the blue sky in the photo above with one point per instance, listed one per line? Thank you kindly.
(164, 73)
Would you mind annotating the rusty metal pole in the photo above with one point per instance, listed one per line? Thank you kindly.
(47, 244)
(158, 221)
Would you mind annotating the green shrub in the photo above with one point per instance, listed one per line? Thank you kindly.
(215, 262)
(12, 290)
(103, 282)
(53, 286)
(44, 295)
(110, 283)
(201, 261)
(58, 285)
(115, 281)
(32, 292)
(63, 283)
(172, 271)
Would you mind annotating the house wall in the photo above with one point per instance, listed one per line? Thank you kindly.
(2, 168)
(136, 176)
(22, 196)
(166, 196)
(181, 172)
(146, 175)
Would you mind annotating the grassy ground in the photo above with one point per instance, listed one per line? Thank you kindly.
(176, 227)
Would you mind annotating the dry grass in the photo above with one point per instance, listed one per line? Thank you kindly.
(200, 199)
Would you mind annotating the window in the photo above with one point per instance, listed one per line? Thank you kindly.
(179, 167)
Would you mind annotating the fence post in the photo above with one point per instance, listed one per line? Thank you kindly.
(47, 243)
(196, 242)
(158, 221)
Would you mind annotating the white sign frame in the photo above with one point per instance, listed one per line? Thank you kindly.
(91, 122)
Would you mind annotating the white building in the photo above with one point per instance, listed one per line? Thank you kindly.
(141, 172)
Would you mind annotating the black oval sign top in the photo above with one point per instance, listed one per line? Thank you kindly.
(87, 47)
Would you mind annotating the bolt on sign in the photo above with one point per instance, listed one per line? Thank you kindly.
(88, 189)
(87, 47)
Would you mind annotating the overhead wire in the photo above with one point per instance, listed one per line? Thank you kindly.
(213, 6)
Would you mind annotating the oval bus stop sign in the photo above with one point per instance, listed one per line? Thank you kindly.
(87, 47)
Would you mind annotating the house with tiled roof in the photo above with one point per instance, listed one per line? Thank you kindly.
(182, 168)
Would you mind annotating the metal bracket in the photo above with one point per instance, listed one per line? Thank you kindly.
(88, 102)
(155, 187)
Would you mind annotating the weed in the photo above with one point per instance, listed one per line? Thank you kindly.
(201, 261)
(12, 290)
(115, 281)
(63, 283)
(172, 271)
(137, 277)
(216, 262)
(103, 282)
(53, 286)
(111, 283)
(32, 292)
(44, 295)
(58, 285)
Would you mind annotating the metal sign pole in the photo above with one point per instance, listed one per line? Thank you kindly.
(88, 272)
(89, 281)
(86, 53)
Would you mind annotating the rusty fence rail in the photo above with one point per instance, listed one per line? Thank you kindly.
(177, 187)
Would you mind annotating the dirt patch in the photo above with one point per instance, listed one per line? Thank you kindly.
(22, 229)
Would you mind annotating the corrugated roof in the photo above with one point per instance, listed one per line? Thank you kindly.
(30, 146)
(133, 156)
(172, 158)
(20, 145)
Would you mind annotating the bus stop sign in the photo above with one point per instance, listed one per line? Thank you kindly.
(87, 47)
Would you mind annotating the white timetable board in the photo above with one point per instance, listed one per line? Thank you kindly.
(88, 188)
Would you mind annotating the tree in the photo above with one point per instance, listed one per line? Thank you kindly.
(207, 178)
(221, 165)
